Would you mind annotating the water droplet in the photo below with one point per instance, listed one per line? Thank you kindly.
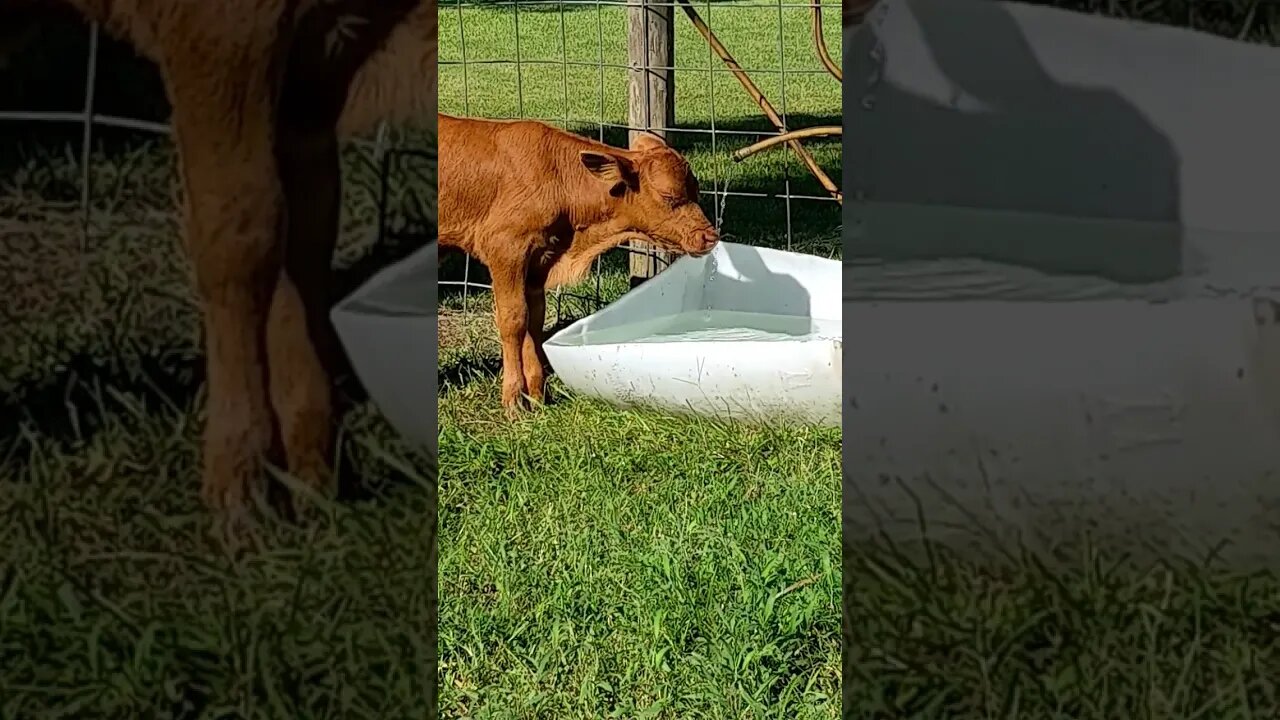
(869, 102)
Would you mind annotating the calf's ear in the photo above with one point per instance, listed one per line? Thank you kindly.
(613, 169)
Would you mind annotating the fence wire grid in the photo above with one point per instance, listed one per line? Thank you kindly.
(606, 66)
(565, 62)
(381, 149)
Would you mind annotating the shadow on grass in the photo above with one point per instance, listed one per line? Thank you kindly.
(471, 367)
(76, 399)
(84, 396)
(466, 369)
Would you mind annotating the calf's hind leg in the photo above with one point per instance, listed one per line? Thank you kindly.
(532, 359)
(300, 338)
(317, 82)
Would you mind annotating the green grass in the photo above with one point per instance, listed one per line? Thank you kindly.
(594, 565)
(116, 598)
(606, 563)
(1088, 633)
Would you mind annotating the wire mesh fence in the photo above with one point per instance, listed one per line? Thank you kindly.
(403, 214)
(571, 63)
(566, 62)
(97, 283)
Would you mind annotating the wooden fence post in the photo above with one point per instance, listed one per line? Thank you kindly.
(651, 98)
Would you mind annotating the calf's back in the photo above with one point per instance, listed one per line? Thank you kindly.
(513, 177)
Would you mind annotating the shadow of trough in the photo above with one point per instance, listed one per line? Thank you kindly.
(470, 367)
(75, 400)
(1024, 142)
(71, 403)
(80, 400)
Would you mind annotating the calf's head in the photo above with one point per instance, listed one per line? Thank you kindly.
(653, 192)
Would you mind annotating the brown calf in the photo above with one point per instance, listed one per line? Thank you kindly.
(537, 205)
(261, 91)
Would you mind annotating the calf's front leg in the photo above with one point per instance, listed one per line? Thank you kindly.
(511, 311)
(222, 122)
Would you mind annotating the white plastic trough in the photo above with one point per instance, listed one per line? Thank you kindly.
(388, 328)
(786, 379)
(1062, 274)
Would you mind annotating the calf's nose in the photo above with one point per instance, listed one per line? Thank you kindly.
(709, 238)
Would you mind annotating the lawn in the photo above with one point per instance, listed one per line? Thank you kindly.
(1088, 632)
(115, 599)
(598, 562)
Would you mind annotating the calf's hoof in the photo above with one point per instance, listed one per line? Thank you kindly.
(227, 485)
(535, 391)
(513, 399)
(318, 483)
(519, 405)
(226, 490)
(318, 478)
(309, 464)
(235, 452)
(234, 530)
(513, 410)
